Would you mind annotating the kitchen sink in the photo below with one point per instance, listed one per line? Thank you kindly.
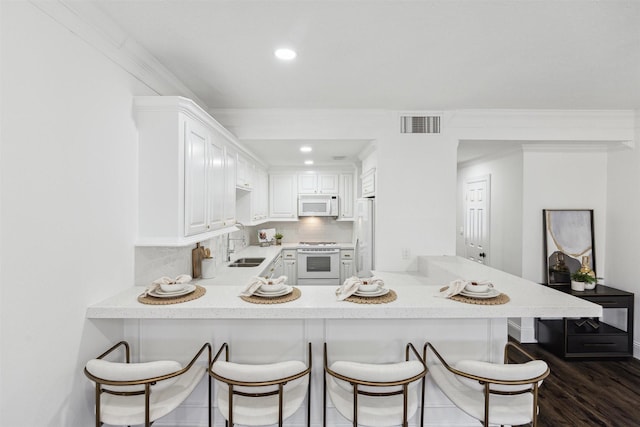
(246, 262)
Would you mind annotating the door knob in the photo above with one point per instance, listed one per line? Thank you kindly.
(482, 254)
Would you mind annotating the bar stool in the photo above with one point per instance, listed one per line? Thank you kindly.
(140, 393)
(493, 393)
(257, 395)
(374, 394)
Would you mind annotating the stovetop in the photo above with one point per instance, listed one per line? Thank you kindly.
(317, 243)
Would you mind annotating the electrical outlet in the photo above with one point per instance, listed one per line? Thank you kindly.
(405, 253)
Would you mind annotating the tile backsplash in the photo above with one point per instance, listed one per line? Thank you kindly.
(154, 262)
(309, 229)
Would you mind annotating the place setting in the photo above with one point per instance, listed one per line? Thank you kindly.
(472, 292)
(260, 290)
(365, 291)
(166, 290)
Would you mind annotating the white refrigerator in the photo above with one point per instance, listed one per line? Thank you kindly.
(365, 237)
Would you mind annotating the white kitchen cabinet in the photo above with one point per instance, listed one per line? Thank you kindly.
(182, 172)
(347, 199)
(283, 196)
(230, 187)
(318, 183)
(196, 141)
(346, 269)
(307, 183)
(346, 264)
(289, 259)
(328, 183)
(369, 183)
(260, 194)
(216, 182)
(244, 173)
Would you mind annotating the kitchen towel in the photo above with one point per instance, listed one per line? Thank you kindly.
(351, 285)
(183, 278)
(255, 282)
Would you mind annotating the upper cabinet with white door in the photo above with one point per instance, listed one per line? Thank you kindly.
(369, 183)
(347, 199)
(318, 183)
(244, 173)
(185, 172)
(283, 196)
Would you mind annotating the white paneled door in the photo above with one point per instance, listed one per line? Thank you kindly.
(477, 217)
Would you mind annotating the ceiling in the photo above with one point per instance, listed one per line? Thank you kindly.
(324, 152)
(394, 54)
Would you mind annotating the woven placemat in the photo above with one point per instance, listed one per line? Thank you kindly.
(254, 299)
(497, 300)
(148, 299)
(382, 299)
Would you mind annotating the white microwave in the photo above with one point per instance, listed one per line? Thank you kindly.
(317, 205)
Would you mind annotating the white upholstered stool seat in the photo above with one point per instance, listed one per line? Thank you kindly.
(494, 393)
(122, 389)
(251, 394)
(372, 394)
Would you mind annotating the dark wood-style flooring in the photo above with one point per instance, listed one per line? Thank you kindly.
(588, 393)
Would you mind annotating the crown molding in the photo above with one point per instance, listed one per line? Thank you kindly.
(94, 27)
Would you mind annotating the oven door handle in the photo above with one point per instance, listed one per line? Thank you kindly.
(312, 252)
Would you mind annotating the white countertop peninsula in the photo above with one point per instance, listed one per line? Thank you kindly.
(417, 297)
(263, 333)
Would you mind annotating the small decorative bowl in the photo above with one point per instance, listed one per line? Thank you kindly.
(477, 287)
(271, 287)
(367, 288)
(173, 287)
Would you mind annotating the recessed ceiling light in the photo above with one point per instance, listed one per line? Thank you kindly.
(285, 54)
(308, 162)
(305, 149)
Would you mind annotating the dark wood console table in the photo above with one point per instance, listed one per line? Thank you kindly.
(589, 338)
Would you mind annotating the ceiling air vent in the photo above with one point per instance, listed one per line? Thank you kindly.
(420, 124)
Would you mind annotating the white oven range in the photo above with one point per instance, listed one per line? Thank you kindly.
(318, 264)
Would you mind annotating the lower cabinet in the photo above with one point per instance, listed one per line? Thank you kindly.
(346, 264)
(290, 266)
(590, 338)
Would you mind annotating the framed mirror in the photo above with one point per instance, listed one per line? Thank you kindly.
(568, 241)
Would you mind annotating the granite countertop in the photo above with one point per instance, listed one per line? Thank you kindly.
(417, 297)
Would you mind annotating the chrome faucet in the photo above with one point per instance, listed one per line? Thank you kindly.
(229, 239)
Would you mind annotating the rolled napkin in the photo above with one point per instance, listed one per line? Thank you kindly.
(453, 288)
(256, 282)
(348, 288)
(253, 285)
(183, 278)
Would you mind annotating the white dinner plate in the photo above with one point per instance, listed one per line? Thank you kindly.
(378, 293)
(491, 293)
(287, 290)
(158, 293)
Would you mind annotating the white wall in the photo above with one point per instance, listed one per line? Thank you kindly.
(415, 199)
(505, 239)
(561, 179)
(68, 213)
(623, 231)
